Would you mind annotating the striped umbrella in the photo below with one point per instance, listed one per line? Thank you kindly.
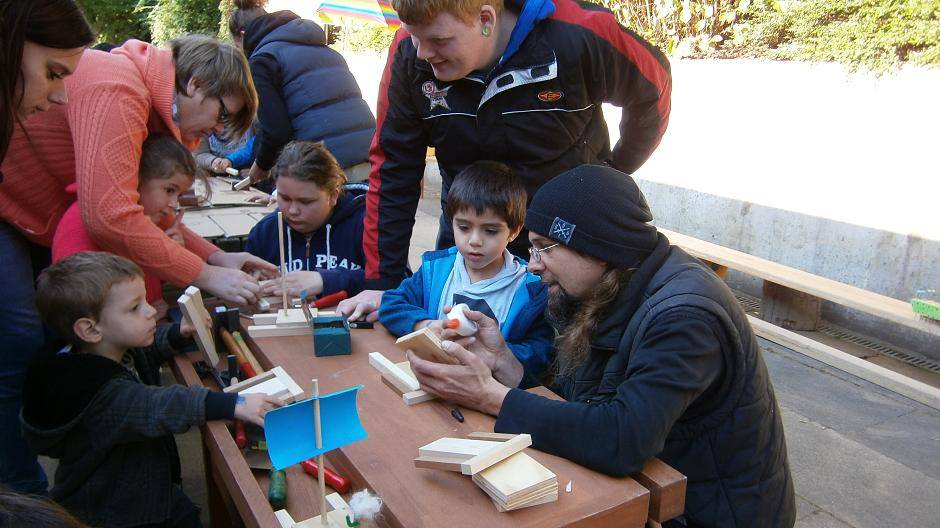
(377, 11)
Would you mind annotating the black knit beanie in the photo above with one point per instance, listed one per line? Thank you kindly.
(595, 210)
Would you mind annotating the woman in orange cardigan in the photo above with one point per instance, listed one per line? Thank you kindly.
(196, 87)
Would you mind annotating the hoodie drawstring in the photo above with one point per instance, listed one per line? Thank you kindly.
(328, 258)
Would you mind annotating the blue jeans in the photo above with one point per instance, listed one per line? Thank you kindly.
(21, 337)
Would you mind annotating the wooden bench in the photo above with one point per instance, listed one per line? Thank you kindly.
(791, 296)
(791, 300)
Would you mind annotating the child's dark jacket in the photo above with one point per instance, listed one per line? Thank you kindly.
(112, 430)
(334, 250)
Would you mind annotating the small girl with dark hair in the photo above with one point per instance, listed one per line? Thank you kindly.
(322, 224)
(167, 169)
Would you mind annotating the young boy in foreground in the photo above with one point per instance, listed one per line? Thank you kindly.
(98, 407)
(487, 206)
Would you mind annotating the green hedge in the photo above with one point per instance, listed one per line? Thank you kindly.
(118, 20)
(172, 18)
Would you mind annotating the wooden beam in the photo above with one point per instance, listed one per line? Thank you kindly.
(277, 331)
(856, 298)
(667, 489)
(493, 437)
(504, 450)
(426, 345)
(196, 314)
(418, 396)
(878, 375)
(393, 374)
(275, 382)
(789, 308)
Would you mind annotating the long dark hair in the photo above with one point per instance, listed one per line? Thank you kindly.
(245, 11)
(56, 24)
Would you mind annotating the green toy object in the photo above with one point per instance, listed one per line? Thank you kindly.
(331, 336)
(926, 308)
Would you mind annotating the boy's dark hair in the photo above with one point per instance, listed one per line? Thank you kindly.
(488, 185)
(77, 287)
(309, 161)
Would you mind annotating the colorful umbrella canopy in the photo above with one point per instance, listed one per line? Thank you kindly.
(377, 11)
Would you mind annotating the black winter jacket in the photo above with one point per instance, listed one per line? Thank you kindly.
(112, 431)
(305, 91)
(675, 373)
(539, 112)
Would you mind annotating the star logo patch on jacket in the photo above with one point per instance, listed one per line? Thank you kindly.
(437, 96)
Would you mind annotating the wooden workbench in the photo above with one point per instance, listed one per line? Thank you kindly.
(413, 498)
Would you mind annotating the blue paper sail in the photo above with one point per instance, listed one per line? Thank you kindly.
(290, 431)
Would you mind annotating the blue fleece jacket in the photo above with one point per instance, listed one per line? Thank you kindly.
(334, 250)
(417, 298)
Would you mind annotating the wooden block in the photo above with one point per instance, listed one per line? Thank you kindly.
(493, 437)
(459, 448)
(196, 315)
(788, 308)
(551, 497)
(393, 374)
(503, 451)
(284, 519)
(441, 463)
(667, 489)
(336, 511)
(289, 317)
(275, 382)
(265, 318)
(418, 396)
(426, 345)
(264, 305)
(515, 477)
(277, 331)
(196, 296)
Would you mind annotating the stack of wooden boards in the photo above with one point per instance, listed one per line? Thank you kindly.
(497, 464)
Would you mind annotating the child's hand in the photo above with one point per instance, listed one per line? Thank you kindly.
(363, 305)
(220, 164)
(188, 330)
(174, 230)
(435, 325)
(295, 282)
(253, 407)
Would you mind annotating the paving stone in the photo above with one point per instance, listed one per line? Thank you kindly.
(821, 519)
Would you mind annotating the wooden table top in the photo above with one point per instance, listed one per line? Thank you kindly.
(383, 462)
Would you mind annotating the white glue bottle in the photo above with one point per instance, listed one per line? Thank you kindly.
(457, 320)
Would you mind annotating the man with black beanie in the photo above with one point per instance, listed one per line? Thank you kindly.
(654, 358)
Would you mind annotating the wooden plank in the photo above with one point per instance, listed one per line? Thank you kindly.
(265, 318)
(275, 382)
(504, 450)
(258, 331)
(418, 396)
(515, 477)
(495, 437)
(441, 463)
(457, 448)
(426, 345)
(287, 317)
(234, 224)
(393, 374)
(878, 375)
(195, 315)
(284, 519)
(667, 489)
(869, 302)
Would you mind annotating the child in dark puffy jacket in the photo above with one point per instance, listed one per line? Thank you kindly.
(322, 224)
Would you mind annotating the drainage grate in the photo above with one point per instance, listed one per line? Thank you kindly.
(752, 307)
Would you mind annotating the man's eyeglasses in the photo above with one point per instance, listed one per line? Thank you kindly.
(536, 253)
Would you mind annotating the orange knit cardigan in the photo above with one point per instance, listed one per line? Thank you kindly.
(95, 140)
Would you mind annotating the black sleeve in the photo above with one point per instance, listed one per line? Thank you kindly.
(631, 73)
(397, 157)
(676, 361)
(274, 121)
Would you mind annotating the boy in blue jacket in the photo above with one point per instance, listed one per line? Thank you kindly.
(322, 224)
(487, 204)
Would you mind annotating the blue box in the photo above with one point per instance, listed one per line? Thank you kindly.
(331, 336)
